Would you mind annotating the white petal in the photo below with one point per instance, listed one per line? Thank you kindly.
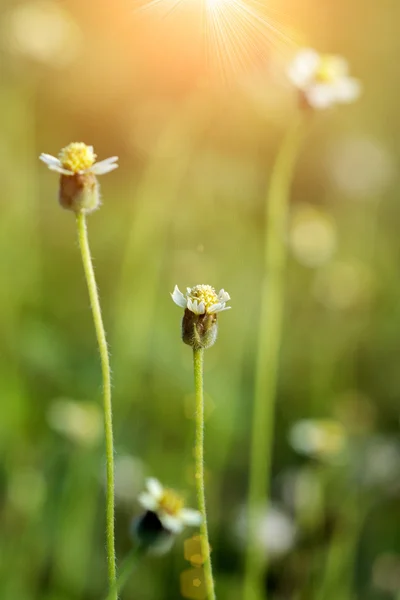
(50, 160)
(321, 95)
(60, 170)
(178, 297)
(347, 90)
(104, 166)
(214, 308)
(148, 501)
(222, 309)
(303, 68)
(223, 296)
(172, 524)
(191, 517)
(154, 488)
(188, 290)
(195, 307)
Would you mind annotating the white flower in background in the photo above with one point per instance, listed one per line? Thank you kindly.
(43, 31)
(276, 530)
(324, 438)
(80, 422)
(202, 299)
(76, 159)
(323, 79)
(168, 506)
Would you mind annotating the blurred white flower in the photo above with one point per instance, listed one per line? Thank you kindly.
(168, 506)
(323, 79)
(202, 299)
(360, 167)
(312, 236)
(324, 439)
(344, 285)
(276, 530)
(43, 31)
(80, 422)
(78, 158)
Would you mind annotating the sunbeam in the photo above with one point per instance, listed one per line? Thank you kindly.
(237, 33)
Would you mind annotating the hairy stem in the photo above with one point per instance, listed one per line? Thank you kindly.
(198, 356)
(105, 368)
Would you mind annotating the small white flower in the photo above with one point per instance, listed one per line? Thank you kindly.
(78, 158)
(202, 299)
(321, 438)
(168, 506)
(276, 530)
(323, 79)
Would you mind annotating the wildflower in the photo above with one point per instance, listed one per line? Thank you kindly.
(324, 439)
(165, 517)
(76, 163)
(168, 506)
(276, 530)
(201, 304)
(323, 80)
(79, 422)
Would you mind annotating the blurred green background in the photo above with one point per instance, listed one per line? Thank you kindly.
(196, 122)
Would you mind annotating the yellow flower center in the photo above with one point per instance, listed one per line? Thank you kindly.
(330, 69)
(204, 293)
(77, 157)
(171, 503)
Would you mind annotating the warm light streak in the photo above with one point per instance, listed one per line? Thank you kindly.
(237, 33)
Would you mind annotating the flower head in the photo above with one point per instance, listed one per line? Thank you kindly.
(201, 304)
(168, 506)
(323, 80)
(202, 299)
(78, 158)
(76, 163)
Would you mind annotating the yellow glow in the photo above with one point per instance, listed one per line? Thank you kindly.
(237, 32)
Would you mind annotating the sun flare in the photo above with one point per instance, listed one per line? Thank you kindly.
(236, 33)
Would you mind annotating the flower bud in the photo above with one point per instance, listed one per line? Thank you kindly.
(199, 331)
(202, 305)
(79, 192)
(79, 188)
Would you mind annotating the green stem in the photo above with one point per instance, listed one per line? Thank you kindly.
(105, 368)
(126, 570)
(199, 474)
(268, 353)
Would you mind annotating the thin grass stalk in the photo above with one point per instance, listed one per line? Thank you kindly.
(272, 295)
